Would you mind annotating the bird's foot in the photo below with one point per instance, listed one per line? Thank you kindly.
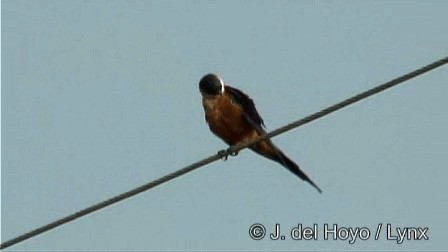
(225, 154)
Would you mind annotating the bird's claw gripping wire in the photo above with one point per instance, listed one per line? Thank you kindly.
(224, 154)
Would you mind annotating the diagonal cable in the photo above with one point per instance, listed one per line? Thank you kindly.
(224, 153)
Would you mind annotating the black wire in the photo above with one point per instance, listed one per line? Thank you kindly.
(224, 153)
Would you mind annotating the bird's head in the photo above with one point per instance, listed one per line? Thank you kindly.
(211, 85)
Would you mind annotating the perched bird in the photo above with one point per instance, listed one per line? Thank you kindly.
(232, 116)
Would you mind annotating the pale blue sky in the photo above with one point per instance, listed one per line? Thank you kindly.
(99, 97)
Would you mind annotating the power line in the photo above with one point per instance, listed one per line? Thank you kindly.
(224, 153)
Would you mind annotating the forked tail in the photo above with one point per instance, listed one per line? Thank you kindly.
(294, 168)
(278, 156)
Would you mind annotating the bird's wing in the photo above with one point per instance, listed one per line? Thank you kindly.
(249, 111)
(253, 118)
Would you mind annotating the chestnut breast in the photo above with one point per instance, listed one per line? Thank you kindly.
(225, 119)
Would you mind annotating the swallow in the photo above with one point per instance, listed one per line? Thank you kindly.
(231, 115)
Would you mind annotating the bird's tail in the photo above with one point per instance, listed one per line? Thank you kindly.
(285, 161)
(294, 168)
